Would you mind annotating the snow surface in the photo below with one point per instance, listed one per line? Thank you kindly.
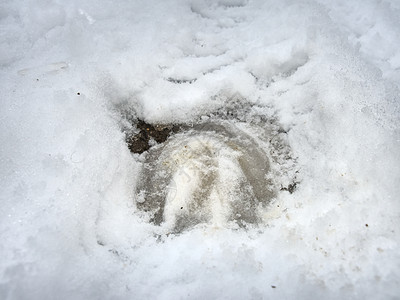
(327, 70)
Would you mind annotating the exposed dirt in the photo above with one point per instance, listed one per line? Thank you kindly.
(290, 188)
(141, 141)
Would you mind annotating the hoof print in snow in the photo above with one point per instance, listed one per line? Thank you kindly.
(221, 170)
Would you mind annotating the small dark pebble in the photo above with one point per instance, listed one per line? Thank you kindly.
(281, 130)
(273, 286)
(78, 94)
(181, 207)
(366, 225)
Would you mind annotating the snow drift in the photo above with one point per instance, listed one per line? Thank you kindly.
(326, 73)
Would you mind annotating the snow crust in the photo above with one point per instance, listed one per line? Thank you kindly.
(328, 72)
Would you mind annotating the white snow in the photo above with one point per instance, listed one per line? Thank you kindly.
(328, 71)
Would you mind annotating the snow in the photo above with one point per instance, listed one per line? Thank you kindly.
(326, 72)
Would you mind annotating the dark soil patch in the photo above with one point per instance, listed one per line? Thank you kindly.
(140, 142)
(290, 188)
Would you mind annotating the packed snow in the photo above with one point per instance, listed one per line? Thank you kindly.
(319, 80)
